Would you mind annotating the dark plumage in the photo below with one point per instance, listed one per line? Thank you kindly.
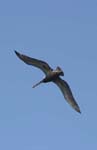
(52, 75)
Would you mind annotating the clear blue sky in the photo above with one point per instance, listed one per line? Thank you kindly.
(62, 33)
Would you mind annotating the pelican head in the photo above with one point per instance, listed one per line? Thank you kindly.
(60, 71)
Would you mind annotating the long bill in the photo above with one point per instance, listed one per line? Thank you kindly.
(37, 84)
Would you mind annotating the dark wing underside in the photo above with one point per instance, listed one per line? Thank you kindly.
(64, 87)
(35, 62)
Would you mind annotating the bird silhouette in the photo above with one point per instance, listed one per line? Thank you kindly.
(51, 75)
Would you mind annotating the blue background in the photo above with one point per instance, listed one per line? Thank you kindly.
(62, 33)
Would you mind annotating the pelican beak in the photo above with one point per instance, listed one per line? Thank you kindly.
(37, 84)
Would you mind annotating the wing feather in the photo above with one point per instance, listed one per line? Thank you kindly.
(35, 62)
(64, 87)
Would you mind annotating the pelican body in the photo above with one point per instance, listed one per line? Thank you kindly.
(51, 76)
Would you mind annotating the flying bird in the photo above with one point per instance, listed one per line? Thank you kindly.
(51, 75)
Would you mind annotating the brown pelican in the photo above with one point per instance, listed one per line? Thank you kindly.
(51, 75)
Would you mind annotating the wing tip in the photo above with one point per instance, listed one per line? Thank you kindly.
(16, 53)
(78, 110)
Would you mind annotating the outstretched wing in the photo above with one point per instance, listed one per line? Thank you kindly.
(64, 87)
(35, 62)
